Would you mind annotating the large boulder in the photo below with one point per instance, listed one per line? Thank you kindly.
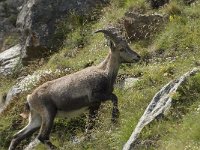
(38, 20)
(143, 26)
(10, 60)
(9, 10)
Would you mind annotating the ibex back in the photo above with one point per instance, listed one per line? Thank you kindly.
(77, 92)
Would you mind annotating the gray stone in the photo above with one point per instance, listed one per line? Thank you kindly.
(38, 20)
(32, 145)
(9, 59)
(9, 10)
(130, 82)
(143, 26)
(160, 104)
(127, 83)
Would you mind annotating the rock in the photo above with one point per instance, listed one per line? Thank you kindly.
(33, 144)
(9, 10)
(38, 20)
(130, 82)
(143, 26)
(159, 105)
(10, 59)
(127, 83)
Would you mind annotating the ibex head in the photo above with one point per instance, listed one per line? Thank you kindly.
(119, 45)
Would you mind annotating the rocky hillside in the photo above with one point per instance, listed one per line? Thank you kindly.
(41, 40)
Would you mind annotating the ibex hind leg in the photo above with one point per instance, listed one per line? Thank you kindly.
(93, 113)
(33, 125)
(48, 114)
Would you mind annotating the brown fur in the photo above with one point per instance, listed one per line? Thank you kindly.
(85, 89)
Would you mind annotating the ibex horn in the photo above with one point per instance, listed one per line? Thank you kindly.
(111, 35)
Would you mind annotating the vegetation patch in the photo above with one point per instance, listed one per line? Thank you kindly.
(171, 53)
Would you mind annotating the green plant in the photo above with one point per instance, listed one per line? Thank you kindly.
(173, 8)
(11, 39)
(13, 18)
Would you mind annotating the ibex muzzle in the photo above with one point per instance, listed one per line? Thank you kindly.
(128, 56)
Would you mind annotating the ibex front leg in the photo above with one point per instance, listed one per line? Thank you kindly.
(115, 110)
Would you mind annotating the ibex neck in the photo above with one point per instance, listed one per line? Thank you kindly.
(111, 66)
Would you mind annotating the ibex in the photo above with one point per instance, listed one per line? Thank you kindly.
(77, 92)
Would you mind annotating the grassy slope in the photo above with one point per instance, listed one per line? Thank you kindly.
(173, 52)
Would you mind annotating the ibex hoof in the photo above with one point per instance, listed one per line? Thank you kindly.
(53, 147)
(50, 145)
